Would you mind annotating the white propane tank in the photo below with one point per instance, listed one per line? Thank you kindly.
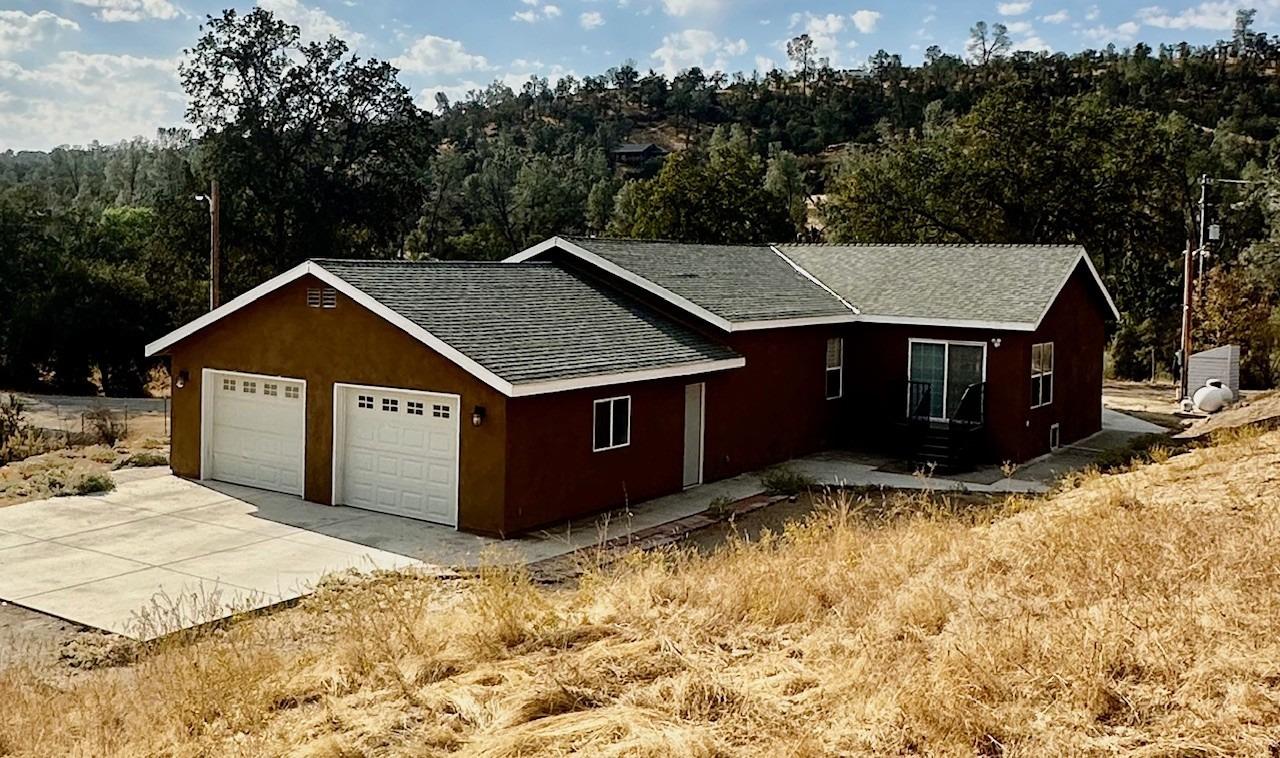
(1213, 396)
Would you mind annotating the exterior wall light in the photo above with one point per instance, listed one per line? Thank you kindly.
(477, 415)
(995, 342)
(183, 376)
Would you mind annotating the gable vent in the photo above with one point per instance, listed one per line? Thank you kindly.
(326, 297)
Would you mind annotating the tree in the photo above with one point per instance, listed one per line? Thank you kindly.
(986, 45)
(784, 179)
(800, 51)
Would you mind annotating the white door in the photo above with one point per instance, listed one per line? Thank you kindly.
(398, 452)
(256, 430)
(693, 419)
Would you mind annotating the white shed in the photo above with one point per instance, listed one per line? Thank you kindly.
(1221, 363)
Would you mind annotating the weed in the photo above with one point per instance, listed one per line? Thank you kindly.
(91, 484)
(785, 480)
(145, 459)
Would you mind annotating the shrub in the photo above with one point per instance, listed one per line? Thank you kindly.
(106, 425)
(92, 484)
(18, 439)
(139, 460)
(784, 480)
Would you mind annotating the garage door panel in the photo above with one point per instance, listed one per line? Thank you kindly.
(257, 434)
(399, 453)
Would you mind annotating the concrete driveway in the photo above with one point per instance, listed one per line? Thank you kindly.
(161, 554)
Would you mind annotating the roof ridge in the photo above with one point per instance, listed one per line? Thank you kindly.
(575, 238)
(931, 244)
(428, 262)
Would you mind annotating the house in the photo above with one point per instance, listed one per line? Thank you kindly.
(586, 374)
(634, 154)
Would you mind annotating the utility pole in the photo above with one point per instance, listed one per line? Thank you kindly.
(215, 244)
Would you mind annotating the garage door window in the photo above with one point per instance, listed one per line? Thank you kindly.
(440, 411)
(291, 392)
(229, 385)
(364, 401)
(251, 388)
(413, 408)
(390, 405)
(270, 390)
(612, 423)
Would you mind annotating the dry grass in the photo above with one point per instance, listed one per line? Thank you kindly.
(1131, 614)
(75, 470)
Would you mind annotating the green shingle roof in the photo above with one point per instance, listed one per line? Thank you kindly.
(997, 284)
(529, 322)
(737, 283)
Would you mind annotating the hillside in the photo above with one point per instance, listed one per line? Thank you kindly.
(1131, 614)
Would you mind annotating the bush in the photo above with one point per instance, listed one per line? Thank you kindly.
(92, 484)
(108, 428)
(139, 460)
(18, 439)
(784, 480)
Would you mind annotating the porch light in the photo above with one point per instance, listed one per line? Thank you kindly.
(477, 416)
(182, 379)
(995, 342)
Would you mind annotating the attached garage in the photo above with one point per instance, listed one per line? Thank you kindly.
(254, 430)
(396, 451)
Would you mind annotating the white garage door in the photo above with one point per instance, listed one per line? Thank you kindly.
(256, 431)
(399, 452)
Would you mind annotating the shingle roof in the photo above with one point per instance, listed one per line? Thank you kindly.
(637, 147)
(738, 283)
(530, 322)
(1005, 284)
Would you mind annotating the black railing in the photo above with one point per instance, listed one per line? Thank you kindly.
(953, 443)
(919, 400)
(972, 409)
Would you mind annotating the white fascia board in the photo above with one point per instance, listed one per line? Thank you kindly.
(625, 377)
(1097, 279)
(609, 267)
(227, 308)
(802, 271)
(1003, 326)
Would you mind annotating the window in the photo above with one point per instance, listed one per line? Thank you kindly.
(612, 423)
(1041, 374)
(413, 408)
(835, 368)
(250, 388)
(326, 297)
(270, 390)
(291, 391)
(364, 401)
(390, 405)
(948, 370)
(440, 411)
(229, 385)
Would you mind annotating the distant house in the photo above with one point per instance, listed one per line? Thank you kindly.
(586, 374)
(632, 154)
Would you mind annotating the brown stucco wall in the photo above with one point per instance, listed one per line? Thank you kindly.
(279, 335)
(1015, 431)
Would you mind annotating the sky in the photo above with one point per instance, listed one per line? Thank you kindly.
(74, 71)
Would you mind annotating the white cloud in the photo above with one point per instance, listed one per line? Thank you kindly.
(313, 23)
(536, 12)
(1056, 18)
(1092, 14)
(764, 65)
(696, 47)
(591, 19)
(23, 31)
(866, 20)
(1033, 43)
(1019, 27)
(1013, 9)
(132, 10)
(1217, 16)
(80, 97)
(1102, 34)
(690, 7)
(439, 55)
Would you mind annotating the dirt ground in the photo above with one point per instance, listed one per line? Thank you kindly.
(65, 414)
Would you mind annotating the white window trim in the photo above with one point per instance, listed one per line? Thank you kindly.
(839, 368)
(595, 409)
(946, 363)
(1053, 360)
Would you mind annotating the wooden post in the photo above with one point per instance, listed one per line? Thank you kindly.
(1188, 277)
(215, 243)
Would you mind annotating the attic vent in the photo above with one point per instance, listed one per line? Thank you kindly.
(322, 298)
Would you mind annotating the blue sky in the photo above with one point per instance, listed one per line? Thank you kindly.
(76, 70)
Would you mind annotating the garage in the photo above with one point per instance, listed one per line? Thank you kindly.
(256, 430)
(396, 451)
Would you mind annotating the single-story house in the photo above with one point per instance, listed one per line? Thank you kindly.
(633, 153)
(586, 374)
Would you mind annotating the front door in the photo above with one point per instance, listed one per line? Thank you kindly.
(693, 420)
(949, 368)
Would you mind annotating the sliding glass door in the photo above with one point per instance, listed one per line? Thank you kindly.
(948, 368)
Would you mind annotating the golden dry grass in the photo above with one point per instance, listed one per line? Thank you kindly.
(1134, 614)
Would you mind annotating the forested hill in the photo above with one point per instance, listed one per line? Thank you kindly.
(320, 153)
